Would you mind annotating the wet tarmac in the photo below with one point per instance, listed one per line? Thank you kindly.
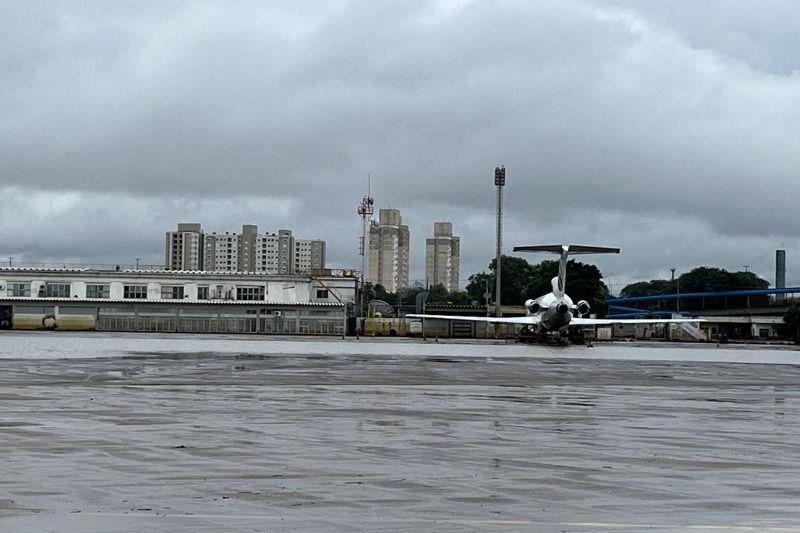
(132, 433)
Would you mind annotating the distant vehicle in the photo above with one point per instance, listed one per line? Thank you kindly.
(550, 316)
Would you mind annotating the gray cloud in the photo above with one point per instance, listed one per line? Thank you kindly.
(669, 130)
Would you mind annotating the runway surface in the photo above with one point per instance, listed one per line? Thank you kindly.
(133, 432)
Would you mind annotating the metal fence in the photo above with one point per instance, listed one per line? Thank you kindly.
(286, 322)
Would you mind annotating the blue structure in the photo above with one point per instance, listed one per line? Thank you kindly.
(621, 311)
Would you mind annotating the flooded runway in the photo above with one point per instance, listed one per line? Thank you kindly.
(179, 433)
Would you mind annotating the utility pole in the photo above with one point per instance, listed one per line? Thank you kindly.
(500, 182)
(672, 281)
(487, 294)
(677, 290)
(365, 211)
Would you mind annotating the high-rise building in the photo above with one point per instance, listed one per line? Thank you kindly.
(247, 248)
(267, 246)
(221, 252)
(286, 264)
(249, 251)
(309, 256)
(442, 257)
(184, 248)
(389, 251)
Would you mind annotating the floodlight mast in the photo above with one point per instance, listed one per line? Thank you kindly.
(500, 182)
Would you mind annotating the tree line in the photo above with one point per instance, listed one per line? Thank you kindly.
(522, 280)
(702, 279)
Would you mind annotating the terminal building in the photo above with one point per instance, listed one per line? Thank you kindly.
(176, 301)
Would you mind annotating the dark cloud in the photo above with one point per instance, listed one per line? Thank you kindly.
(668, 128)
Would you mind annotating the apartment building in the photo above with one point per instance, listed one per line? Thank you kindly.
(309, 256)
(190, 248)
(389, 251)
(442, 257)
(221, 252)
(184, 248)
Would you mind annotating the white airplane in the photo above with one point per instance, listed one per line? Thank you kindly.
(554, 312)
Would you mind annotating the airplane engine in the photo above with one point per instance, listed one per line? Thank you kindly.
(562, 308)
(583, 308)
(532, 306)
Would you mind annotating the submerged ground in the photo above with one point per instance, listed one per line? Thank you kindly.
(184, 433)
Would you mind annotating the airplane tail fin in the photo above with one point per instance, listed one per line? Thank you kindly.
(565, 250)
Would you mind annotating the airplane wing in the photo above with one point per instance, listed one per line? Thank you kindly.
(608, 321)
(525, 320)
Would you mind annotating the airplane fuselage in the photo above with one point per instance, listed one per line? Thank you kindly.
(555, 309)
(555, 313)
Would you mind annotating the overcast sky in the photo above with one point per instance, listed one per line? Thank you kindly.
(670, 129)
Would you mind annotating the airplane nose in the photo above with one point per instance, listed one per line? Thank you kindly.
(562, 308)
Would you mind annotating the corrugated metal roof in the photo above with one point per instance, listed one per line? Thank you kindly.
(261, 303)
(203, 273)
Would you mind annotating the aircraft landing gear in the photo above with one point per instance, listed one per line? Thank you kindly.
(528, 336)
(580, 335)
(534, 335)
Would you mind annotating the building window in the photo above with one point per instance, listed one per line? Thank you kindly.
(135, 292)
(202, 293)
(19, 288)
(322, 293)
(171, 292)
(249, 293)
(98, 290)
(56, 290)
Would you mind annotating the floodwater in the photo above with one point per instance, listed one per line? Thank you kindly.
(126, 432)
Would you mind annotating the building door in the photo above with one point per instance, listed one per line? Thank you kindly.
(6, 314)
(462, 329)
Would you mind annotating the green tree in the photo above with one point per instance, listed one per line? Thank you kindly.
(792, 321)
(521, 281)
(516, 274)
(648, 288)
(407, 296)
(702, 279)
(584, 282)
(438, 294)
(477, 286)
(462, 298)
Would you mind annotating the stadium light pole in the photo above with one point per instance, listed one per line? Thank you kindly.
(500, 182)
